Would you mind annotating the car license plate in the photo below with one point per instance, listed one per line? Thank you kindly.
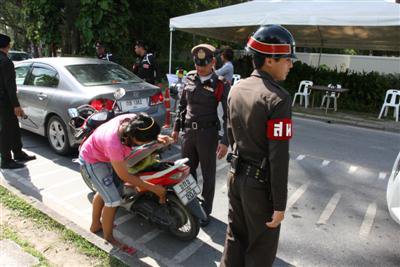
(134, 104)
(187, 190)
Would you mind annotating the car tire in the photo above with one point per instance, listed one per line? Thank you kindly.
(57, 135)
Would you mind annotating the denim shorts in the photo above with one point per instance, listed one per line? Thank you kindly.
(102, 177)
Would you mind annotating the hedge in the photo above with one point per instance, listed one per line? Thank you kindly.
(367, 89)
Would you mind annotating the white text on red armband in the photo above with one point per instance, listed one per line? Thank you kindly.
(279, 129)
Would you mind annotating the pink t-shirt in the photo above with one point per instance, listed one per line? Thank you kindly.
(104, 145)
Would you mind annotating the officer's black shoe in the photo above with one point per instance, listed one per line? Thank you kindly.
(204, 223)
(23, 157)
(11, 164)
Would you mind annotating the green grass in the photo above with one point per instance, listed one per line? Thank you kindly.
(25, 210)
(8, 233)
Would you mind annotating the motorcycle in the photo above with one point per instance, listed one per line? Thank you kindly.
(182, 211)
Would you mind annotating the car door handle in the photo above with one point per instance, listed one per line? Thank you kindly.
(42, 96)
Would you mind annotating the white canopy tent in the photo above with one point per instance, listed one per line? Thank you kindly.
(359, 24)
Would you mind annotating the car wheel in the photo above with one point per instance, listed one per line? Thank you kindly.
(58, 136)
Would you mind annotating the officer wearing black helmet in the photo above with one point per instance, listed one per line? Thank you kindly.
(145, 66)
(259, 129)
(102, 53)
(198, 119)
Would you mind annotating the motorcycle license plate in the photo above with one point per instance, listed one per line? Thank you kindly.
(134, 104)
(187, 190)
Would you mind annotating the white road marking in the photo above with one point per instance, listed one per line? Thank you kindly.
(38, 163)
(368, 220)
(202, 238)
(297, 194)
(156, 260)
(123, 219)
(329, 209)
(300, 157)
(382, 175)
(353, 169)
(77, 194)
(325, 163)
(149, 236)
(188, 251)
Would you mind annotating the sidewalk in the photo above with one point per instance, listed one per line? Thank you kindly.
(366, 120)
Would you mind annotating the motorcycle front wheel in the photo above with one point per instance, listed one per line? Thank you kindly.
(186, 226)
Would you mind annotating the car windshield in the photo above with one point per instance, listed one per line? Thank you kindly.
(102, 74)
(18, 56)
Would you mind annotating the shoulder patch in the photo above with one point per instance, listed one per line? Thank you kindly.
(279, 129)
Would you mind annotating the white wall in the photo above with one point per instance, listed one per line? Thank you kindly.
(356, 63)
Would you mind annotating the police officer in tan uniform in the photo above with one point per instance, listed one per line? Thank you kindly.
(259, 129)
(198, 119)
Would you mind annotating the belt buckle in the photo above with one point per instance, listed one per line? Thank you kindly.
(194, 125)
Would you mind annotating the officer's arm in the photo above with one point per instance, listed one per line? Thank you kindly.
(278, 156)
(8, 75)
(180, 117)
(224, 102)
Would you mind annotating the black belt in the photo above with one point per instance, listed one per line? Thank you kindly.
(253, 170)
(201, 124)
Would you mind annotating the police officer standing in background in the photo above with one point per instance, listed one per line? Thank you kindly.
(102, 53)
(145, 66)
(10, 135)
(259, 128)
(198, 119)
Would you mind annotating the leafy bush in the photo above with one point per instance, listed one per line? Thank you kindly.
(367, 89)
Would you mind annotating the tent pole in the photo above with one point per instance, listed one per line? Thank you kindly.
(322, 44)
(170, 49)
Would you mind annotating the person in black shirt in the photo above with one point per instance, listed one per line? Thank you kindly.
(101, 52)
(10, 136)
(145, 66)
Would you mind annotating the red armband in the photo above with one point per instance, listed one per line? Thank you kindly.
(279, 129)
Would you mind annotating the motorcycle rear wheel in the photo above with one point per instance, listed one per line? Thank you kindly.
(87, 180)
(187, 226)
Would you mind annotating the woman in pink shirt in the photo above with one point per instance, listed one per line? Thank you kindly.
(103, 154)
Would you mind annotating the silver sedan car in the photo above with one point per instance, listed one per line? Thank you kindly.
(48, 87)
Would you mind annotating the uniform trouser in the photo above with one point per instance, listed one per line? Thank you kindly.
(248, 241)
(200, 146)
(10, 135)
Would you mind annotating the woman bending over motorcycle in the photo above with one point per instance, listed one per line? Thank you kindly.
(102, 156)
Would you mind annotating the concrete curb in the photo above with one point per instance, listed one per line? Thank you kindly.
(99, 242)
(363, 124)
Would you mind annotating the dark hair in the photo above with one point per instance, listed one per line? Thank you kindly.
(228, 54)
(259, 60)
(144, 128)
(142, 44)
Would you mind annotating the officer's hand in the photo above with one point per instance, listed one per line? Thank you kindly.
(19, 112)
(175, 136)
(277, 217)
(159, 85)
(221, 151)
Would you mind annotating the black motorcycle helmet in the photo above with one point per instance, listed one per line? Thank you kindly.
(273, 41)
(143, 127)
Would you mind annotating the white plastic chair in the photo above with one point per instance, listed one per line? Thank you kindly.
(303, 91)
(235, 78)
(392, 99)
(329, 95)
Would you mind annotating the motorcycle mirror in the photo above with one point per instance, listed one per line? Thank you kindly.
(118, 94)
(73, 112)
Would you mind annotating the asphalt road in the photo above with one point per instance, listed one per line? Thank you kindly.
(336, 216)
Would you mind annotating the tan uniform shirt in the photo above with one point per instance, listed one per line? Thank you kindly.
(252, 102)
